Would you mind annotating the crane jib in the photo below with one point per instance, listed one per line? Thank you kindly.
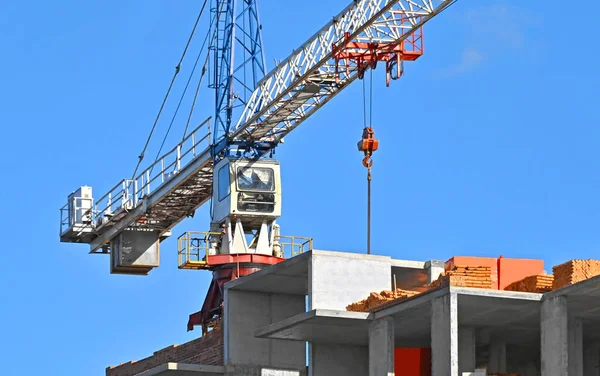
(367, 21)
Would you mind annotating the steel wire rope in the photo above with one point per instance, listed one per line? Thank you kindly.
(204, 70)
(183, 95)
(177, 69)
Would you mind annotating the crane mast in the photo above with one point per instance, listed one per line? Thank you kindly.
(238, 61)
(228, 159)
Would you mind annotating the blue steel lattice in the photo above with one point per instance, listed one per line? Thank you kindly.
(238, 63)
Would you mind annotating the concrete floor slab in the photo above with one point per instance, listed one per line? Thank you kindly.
(182, 369)
(287, 277)
(321, 327)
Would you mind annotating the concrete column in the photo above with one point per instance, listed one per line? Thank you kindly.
(591, 359)
(466, 349)
(497, 353)
(381, 347)
(575, 347)
(554, 337)
(444, 336)
(434, 269)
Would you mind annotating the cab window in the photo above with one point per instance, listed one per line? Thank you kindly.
(259, 179)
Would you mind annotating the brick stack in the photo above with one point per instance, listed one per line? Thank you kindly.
(491, 262)
(465, 276)
(536, 283)
(574, 271)
(376, 299)
(207, 350)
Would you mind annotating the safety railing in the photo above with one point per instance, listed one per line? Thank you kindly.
(193, 249)
(70, 212)
(295, 245)
(129, 193)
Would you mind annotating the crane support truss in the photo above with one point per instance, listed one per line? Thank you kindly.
(311, 75)
(181, 181)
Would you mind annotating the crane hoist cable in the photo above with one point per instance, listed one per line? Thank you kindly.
(368, 144)
(203, 72)
(177, 69)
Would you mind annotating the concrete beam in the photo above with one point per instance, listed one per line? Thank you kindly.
(381, 347)
(554, 337)
(575, 346)
(588, 287)
(444, 336)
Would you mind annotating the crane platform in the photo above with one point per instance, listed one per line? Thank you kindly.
(161, 196)
(180, 181)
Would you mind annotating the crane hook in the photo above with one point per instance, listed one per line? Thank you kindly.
(368, 144)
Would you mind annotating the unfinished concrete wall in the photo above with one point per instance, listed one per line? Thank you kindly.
(339, 360)
(339, 279)
(247, 311)
(336, 280)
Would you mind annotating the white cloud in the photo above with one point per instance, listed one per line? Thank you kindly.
(491, 30)
(470, 59)
(499, 23)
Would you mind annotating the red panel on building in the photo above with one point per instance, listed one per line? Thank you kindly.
(512, 270)
(412, 362)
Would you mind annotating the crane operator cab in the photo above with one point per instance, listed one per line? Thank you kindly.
(246, 204)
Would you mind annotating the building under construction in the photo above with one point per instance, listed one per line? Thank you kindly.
(276, 306)
(502, 316)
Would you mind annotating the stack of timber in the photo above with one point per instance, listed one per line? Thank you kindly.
(465, 276)
(574, 271)
(535, 283)
(375, 300)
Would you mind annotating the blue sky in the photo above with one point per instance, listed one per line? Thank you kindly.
(487, 147)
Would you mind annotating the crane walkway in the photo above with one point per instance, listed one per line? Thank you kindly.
(168, 191)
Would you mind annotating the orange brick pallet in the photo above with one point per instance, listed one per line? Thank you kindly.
(574, 271)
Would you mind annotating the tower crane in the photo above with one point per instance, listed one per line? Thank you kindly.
(228, 158)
